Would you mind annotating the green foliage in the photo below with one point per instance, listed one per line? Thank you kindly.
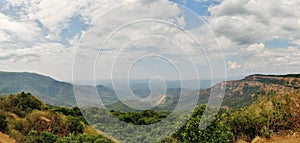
(74, 125)
(43, 137)
(22, 104)
(48, 137)
(19, 137)
(24, 119)
(84, 138)
(3, 123)
(217, 131)
(266, 115)
(269, 113)
(75, 111)
(141, 118)
(287, 75)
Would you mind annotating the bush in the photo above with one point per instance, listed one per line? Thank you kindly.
(74, 125)
(19, 137)
(217, 131)
(3, 122)
(43, 137)
(23, 103)
(84, 138)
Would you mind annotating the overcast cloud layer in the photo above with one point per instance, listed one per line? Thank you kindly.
(257, 36)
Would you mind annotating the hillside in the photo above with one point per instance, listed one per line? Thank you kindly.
(240, 93)
(58, 93)
(263, 120)
(6, 139)
(26, 119)
(262, 107)
(48, 89)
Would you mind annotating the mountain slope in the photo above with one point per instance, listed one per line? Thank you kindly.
(240, 93)
(46, 88)
(4, 138)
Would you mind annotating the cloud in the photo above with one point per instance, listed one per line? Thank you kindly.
(23, 58)
(36, 53)
(296, 41)
(53, 14)
(4, 37)
(285, 57)
(254, 50)
(244, 27)
(46, 58)
(265, 60)
(15, 30)
(233, 65)
(31, 32)
(131, 15)
(207, 0)
(150, 28)
(249, 21)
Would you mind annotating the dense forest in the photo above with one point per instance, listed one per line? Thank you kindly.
(27, 119)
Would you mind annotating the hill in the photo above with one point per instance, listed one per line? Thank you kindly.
(59, 93)
(46, 88)
(49, 90)
(6, 139)
(26, 119)
(240, 93)
(260, 105)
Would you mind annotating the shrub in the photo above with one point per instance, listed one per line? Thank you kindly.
(74, 125)
(217, 131)
(43, 137)
(23, 103)
(3, 122)
(81, 138)
(19, 137)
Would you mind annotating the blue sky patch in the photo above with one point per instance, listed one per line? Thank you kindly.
(76, 25)
(201, 8)
(278, 43)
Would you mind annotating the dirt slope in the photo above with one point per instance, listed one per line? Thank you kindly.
(6, 139)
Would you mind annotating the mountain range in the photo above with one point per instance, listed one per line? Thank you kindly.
(238, 93)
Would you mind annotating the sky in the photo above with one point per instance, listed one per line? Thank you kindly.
(141, 39)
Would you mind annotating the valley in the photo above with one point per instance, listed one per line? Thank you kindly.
(254, 109)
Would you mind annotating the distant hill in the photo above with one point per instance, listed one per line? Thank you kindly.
(60, 93)
(49, 90)
(46, 88)
(240, 93)
(190, 84)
